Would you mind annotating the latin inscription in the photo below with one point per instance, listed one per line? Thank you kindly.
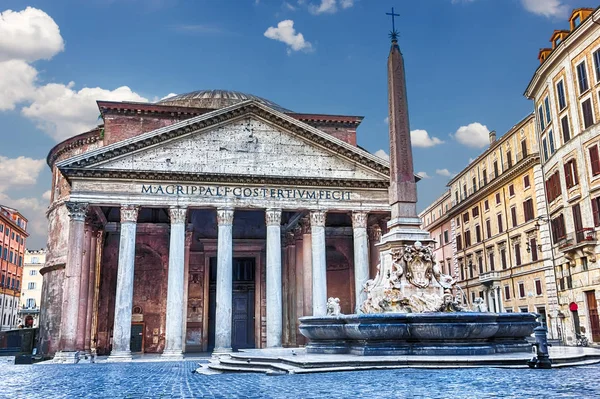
(245, 192)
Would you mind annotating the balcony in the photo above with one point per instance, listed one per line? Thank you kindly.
(584, 239)
(489, 278)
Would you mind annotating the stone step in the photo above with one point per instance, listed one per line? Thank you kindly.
(276, 365)
(234, 369)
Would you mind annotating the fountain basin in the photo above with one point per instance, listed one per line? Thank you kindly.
(460, 333)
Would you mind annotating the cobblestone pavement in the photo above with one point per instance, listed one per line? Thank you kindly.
(175, 380)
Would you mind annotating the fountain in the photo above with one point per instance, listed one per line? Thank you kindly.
(411, 307)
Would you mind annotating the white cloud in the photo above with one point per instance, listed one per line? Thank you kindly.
(423, 175)
(420, 138)
(47, 194)
(286, 33)
(473, 135)
(443, 172)
(29, 35)
(329, 6)
(546, 8)
(17, 83)
(382, 154)
(386, 120)
(62, 112)
(21, 171)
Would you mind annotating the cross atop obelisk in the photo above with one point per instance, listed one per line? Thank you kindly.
(403, 189)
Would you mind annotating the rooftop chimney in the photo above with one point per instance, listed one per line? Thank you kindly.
(492, 137)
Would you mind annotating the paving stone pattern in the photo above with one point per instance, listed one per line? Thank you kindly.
(175, 380)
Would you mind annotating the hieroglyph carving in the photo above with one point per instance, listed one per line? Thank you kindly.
(129, 213)
(77, 210)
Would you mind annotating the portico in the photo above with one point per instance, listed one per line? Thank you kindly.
(219, 235)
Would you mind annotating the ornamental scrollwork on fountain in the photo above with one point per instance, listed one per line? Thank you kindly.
(419, 264)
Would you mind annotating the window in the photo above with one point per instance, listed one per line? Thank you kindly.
(596, 57)
(466, 217)
(584, 264)
(467, 238)
(553, 190)
(465, 190)
(480, 264)
(488, 228)
(513, 215)
(511, 190)
(30, 303)
(491, 259)
(486, 205)
(576, 21)
(541, 119)
(509, 158)
(596, 210)
(478, 233)
(33, 272)
(526, 183)
(496, 173)
(474, 184)
(517, 254)
(497, 198)
(528, 210)
(560, 92)
(588, 116)
(524, 147)
(500, 228)
(594, 160)
(545, 148)
(462, 272)
(503, 258)
(571, 173)
(475, 211)
(458, 243)
(458, 221)
(558, 228)
(472, 297)
(582, 78)
(484, 173)
(446, 237)
(566, 132)
(521, 290)
(507, 292)
(456, 197)
(551, 141)
(31, 286)
(534, 249)
(538, 287)
(547, 107)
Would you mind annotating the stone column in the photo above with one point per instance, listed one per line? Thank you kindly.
(307, 267)
(319, 263)
(84, 286)
(291, 294)
(361, 257)
(186, 285)
(121, 349)
(91, 289)
(299, 299)
(499, 299)
(224, 294)
(496, 302)
(274, 297)
(175, 287)
(374, 238)
(72, 283)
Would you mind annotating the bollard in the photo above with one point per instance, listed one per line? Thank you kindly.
(542, 360)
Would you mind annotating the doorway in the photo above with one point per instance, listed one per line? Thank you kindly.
(593, 313)
(242, 323)
(137, 337)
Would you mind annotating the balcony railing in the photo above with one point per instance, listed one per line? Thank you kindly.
(577, 239)
(489, 277)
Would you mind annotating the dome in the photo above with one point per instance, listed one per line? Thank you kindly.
(216, 99)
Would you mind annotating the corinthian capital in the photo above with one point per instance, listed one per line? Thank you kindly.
(224, 216)
(305, 225)
(317, 219)
(359, 219)
(177, 214)
(77, 210)
(374, 233)
(273, 217)
(129, 213)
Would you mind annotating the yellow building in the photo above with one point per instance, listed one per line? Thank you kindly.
(502, 252)
(566, 92)
(31, 289)
(436, 221)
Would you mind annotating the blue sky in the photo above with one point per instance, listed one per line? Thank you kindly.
(467, 63)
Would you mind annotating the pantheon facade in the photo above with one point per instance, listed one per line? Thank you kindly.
(209, 221)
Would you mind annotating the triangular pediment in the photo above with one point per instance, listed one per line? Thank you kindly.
(245, 140)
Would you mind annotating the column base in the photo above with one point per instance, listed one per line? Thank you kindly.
(119, 356)
(218, 352)
(172, 355)
(66, 357)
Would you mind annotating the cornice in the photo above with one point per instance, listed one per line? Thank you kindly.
(147, 175)
(228, 114)
(89, 137)
(496, 183)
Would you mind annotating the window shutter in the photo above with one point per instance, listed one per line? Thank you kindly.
(595, 211)
(568, 177)
(594, 160)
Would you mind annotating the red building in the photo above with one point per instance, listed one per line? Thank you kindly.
(13, 234)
